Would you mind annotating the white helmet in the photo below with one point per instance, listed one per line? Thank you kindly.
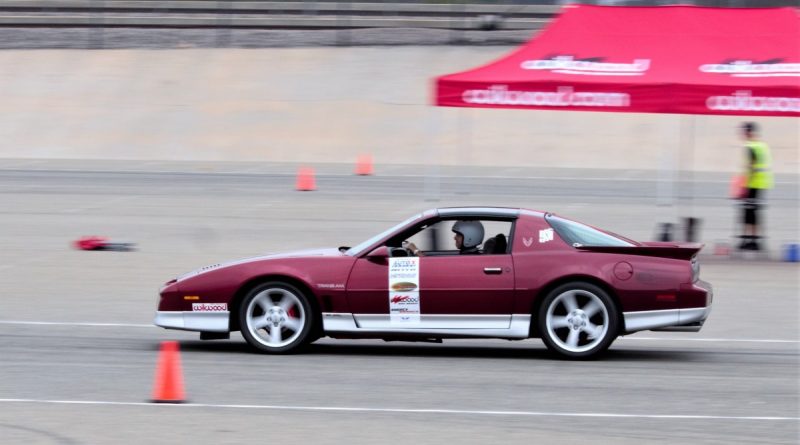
(472, 231)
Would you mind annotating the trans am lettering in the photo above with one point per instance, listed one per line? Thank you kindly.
(330, 286)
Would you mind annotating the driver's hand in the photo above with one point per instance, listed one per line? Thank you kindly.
(411, 247)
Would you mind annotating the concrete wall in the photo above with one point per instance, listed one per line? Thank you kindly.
(327, 105)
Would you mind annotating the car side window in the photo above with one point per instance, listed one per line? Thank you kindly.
(497, 240)
(483, 236)
(577, 234)
(432, 238)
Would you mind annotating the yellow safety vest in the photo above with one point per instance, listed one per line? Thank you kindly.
(759, 176)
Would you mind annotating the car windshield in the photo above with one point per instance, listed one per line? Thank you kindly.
(577, 234)
(358, 249)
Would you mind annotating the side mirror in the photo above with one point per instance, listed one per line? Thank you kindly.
(380, 253)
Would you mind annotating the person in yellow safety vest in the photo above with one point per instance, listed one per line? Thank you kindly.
(759, 179)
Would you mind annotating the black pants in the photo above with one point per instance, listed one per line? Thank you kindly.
(751, 207)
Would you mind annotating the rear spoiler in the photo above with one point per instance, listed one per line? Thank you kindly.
(678, 251)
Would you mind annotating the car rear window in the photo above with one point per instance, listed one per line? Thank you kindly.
(577, 234)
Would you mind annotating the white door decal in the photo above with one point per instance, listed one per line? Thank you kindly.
(404, 290)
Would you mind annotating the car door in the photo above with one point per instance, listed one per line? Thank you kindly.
(454, 292)
(467, 291)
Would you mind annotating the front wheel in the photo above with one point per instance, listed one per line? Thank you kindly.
(276, 318)
(578, 320)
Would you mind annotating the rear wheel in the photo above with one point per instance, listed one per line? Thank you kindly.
(276, 318)
(578, 320)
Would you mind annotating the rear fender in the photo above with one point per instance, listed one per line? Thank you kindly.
(540, 296)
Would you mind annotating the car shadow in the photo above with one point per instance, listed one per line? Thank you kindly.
(630, 355)
(535, 351)
(395, 349)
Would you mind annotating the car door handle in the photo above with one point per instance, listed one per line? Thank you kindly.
(492, 270)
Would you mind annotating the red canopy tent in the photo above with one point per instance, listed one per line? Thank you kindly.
(669, 59)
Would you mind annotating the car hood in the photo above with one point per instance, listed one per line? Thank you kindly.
(307, 253)
(296, 254)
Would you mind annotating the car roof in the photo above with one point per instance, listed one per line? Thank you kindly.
(503, 212)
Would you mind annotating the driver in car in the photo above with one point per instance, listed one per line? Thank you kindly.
(468, 236)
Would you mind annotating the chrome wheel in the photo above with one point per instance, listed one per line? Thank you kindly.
(578, 320)
(276, 318)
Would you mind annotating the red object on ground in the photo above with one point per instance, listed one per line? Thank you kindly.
(738, 187)
(364, 165)
(722, 249)
(168, 387)
(667, 59)
(305, 179)
(91, 242)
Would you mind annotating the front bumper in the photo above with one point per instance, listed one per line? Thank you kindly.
(194, 321)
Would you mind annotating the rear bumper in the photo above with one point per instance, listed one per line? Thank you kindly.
(193, 321)
(689, 319)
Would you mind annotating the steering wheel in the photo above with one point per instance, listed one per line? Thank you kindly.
(399, 252)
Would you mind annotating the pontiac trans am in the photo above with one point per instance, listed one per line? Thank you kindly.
(530, 275)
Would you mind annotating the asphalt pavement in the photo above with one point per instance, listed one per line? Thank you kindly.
(78, 354)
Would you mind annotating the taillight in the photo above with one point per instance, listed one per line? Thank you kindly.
(695, 269)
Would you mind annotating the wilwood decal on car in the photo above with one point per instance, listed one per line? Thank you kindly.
(404, 290)
(210, 307)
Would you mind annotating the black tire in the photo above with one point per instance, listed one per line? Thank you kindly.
(578, 320)
(276, 307)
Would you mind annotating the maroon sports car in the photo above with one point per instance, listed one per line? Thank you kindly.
(451, 273)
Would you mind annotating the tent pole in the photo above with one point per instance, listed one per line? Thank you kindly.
(692, 148)
(463, 148)
(685, 165)
(686, 188)
(666, 180)
(432, 186)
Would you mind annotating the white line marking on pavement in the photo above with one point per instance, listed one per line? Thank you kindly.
(29, 260)
(101, 204)
(137, 325)
(389, 175)
(65, 323)
(407, 410)
(712, 340)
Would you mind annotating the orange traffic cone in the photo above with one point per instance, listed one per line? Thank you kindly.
(168, 387)
(364, 165)
(305, 179)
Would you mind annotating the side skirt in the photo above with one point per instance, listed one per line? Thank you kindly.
(345, 323)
